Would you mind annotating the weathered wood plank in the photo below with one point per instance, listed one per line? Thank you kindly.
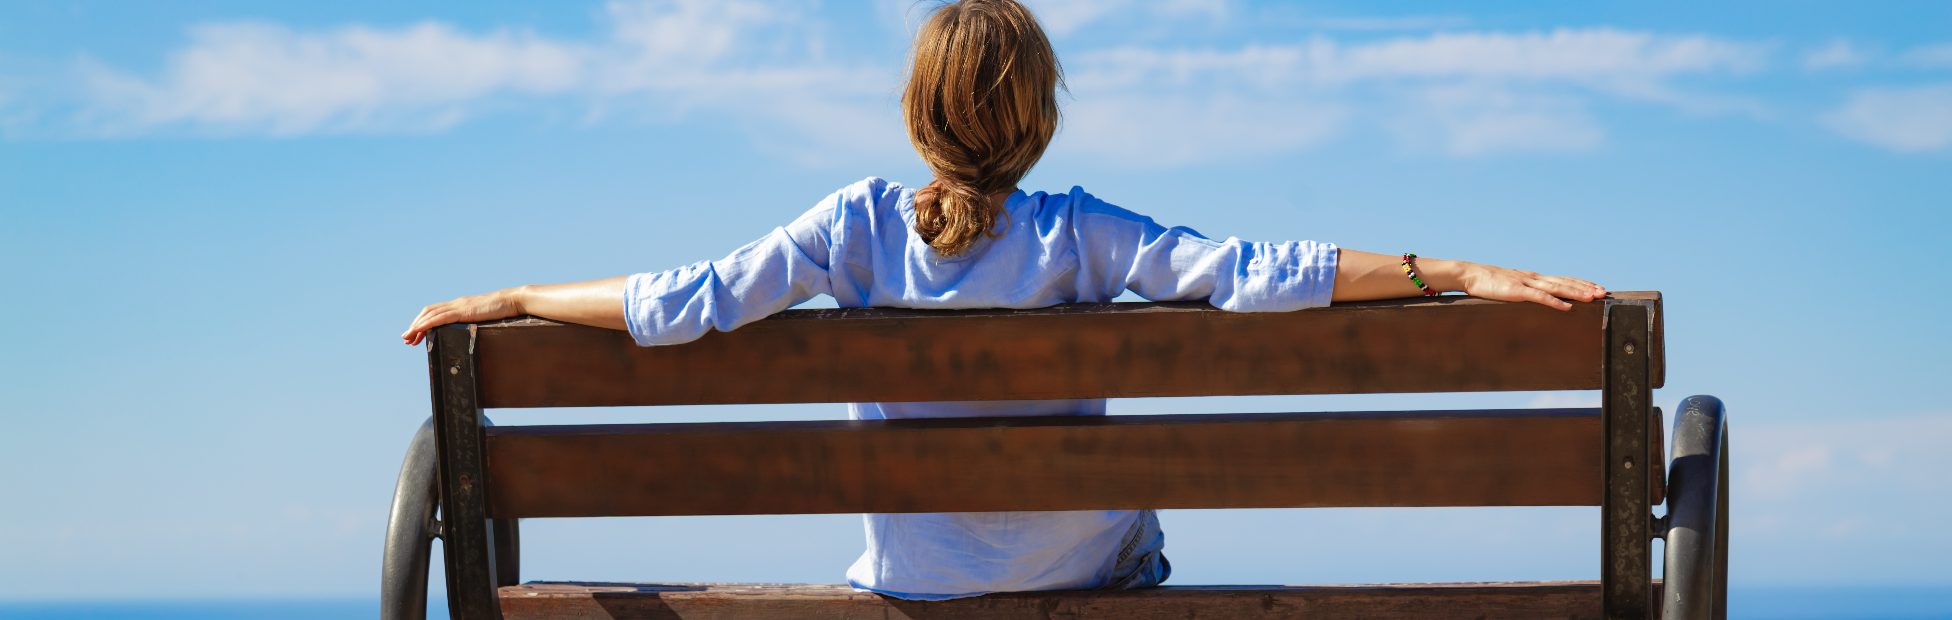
(1444, 458)
(1441, 344)
(563, 601)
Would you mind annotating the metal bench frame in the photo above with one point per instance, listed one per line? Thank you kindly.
(447, 464)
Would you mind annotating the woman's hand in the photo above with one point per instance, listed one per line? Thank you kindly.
(497, 305)
(1494, 282)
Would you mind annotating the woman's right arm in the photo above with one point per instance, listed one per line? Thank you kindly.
(785, 267)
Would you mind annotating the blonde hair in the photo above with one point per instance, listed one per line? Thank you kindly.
(981, 105)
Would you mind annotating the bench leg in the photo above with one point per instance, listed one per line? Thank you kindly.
(1626, 528)
(508, 544)
(1696, 584)
(458, 423)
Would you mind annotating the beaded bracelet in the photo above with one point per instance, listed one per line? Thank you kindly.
(1410, 269)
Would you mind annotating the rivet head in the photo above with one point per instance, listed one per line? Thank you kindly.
(453, 370)
(1629, 347)
(1628, 464)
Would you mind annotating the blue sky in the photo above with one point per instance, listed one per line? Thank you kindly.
(216, 217)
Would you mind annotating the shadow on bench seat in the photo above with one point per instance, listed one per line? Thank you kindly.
(564, 600)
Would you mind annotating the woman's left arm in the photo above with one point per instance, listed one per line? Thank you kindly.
(597, 303)
(1363, 276)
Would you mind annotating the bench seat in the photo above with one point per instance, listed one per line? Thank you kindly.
(1546, 599)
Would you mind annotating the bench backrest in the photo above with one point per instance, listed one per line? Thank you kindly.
(1474, 458)
(1607, 456)
(1444, 344)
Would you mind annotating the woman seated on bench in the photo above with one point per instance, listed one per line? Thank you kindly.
(981, 105)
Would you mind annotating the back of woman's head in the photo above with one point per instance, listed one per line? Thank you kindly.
(981, 105)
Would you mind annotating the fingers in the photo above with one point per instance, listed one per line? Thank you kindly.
(418, 333)
(430, 317)
(413, 327)
(1567, 288)
(1598, 291)
(437, 319)
(1589, 283)
(1542, 298)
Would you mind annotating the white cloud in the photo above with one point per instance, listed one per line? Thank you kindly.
(265, 77)
(1596, 55)
(1476, 119)
(1938, 56)
(1777, 463)
(1904, 119)
(1463, 94)
(672, 56)
(1589, 56)
(1378, 24)
(1838, 54)
(1168, 130)
(1065, 17)
(1456, 93)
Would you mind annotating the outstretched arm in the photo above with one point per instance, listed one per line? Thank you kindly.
(598, 303)
(785, 267)
(1363, 276)
(1124, 250)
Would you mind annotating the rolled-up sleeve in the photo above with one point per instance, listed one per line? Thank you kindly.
(1121, 250)
(787, 266)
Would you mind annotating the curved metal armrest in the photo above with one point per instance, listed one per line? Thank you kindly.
(1696, 574)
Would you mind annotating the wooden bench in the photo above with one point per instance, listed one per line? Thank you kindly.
(485, 478)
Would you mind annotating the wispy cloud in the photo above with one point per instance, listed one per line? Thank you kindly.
(1600, 56)
(1463, 94)
(1163, 130)
(255, 78)
(1588, 56)
(1804, 484)
(259, 77)
(1846, 54)
(1064, 17)
(1384, 24)
(1904, 119)
(1837, 54)
(1456, 93)
(1934, 56)
(1477, 119)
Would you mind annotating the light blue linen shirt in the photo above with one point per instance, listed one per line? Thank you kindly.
(858, 245)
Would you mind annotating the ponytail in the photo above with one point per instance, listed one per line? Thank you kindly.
(981, 106)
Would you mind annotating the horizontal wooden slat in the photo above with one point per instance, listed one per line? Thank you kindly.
(1542, 457)
(1441, 344)
(555, 601)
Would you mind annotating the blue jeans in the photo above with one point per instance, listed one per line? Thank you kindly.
(1141, 570)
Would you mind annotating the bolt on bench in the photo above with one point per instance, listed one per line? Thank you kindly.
(484, 478)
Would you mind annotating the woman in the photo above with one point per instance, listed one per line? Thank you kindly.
(981, 106)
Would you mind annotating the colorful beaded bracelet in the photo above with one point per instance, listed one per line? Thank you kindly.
(1410, 269)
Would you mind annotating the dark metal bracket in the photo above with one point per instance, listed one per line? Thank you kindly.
(1626, 531)
(469, 542)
